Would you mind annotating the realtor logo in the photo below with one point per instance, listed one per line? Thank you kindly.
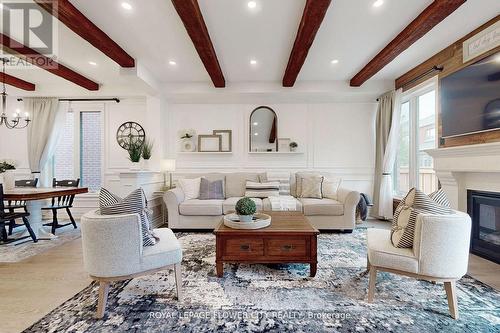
(27, 24)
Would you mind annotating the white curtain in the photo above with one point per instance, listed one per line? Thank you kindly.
(43, 131)
(388, 123)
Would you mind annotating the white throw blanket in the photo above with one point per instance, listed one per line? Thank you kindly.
(283, 203)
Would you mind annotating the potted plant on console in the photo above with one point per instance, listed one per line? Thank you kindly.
(134, 154)
(245, 208)
(293, 146)
(147, 150)
(7, 168)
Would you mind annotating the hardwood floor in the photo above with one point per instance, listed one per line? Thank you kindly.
(32, 288)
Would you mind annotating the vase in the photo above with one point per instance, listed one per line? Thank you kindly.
(9, 180)
(245, 218)
(188, 145)
(145, 164)
(136, 166)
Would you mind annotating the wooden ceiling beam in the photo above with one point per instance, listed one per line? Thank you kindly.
(190, 14)
(16, 82)
(68, 14)
(48, 64)
(314, 13)
(435, 13)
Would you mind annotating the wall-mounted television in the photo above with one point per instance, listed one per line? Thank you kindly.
(470, 98)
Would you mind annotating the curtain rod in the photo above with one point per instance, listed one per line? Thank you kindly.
(117, 100)
(424, 74)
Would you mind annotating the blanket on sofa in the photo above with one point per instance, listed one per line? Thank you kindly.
(283, 203)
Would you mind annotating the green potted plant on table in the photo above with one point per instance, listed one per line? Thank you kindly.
(134, 154)
(245, 208)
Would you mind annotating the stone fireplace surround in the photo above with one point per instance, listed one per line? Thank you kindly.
(474, 167)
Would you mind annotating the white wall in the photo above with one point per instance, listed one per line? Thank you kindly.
(335, 137)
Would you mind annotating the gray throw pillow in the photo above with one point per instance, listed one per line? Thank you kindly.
(211, 190)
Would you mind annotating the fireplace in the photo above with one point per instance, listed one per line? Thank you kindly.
(484, 209)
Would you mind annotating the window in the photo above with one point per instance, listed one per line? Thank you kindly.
(414, 167)
(79, 150)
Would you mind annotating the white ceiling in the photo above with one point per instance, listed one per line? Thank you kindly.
(352, 32)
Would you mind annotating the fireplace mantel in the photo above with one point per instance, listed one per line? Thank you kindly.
(467, 167)
(474, 158)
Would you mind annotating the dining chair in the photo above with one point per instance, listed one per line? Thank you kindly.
(6, 217)
(12, 205)
(62, 202)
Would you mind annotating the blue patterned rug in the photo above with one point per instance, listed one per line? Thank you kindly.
(278, 298)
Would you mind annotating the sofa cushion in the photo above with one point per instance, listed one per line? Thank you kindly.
(236, 183)
(326, 207)
(230, 203)
(266, 205)
(382, 253)
(190, 187)
(196, 207)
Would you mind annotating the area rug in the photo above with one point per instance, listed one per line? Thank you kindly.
(14, 253)
(278, 298)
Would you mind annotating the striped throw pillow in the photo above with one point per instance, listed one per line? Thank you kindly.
(276, 176)
(440, 197)
(262, 190)
(406, 214)
(134, 203)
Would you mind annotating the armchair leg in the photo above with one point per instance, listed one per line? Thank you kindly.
(103, 298)
(178, 280)
(451, 294)
(371, 283)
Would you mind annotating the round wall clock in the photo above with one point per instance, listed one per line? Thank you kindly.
(130, 132)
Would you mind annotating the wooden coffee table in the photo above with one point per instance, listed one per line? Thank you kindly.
(289, 239)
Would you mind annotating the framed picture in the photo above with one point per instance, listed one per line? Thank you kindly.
(284, 144)
(482, 42)
(209, 143)
(227, 139)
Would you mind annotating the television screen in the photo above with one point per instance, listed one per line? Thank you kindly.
(470, 98)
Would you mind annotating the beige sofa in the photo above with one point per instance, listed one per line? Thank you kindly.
(326, 214)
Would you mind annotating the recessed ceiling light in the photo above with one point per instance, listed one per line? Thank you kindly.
(256, 123)
(172, 63)
(256, 134)
(378, 3)
(252, 4)
(126, 5)
(253, 62)
(93, 63)
(334, 61)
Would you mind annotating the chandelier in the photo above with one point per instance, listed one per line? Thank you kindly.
(16, 121)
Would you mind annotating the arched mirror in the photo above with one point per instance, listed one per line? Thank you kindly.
(263, 130)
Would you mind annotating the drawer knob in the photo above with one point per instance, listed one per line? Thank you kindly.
(287, 247)
(245, 247)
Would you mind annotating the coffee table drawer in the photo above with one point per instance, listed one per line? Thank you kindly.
(287, 247)
(244, 247)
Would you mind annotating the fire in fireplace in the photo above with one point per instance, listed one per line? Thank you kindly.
(484, 210)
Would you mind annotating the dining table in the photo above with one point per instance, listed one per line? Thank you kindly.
(35, 199)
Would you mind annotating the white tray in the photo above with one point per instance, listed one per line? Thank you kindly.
(260, 221)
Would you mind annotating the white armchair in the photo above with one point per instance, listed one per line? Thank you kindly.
(113, 251)
(440, 253)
